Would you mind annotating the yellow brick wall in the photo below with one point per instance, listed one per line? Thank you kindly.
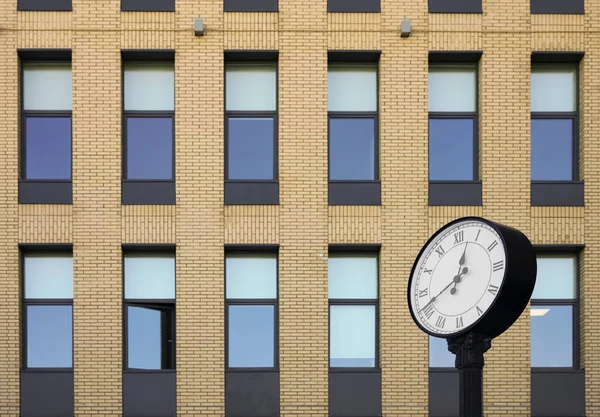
(302, 224)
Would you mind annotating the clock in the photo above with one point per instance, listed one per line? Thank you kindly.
(472, 275)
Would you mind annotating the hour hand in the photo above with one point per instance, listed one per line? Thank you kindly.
(461, 261)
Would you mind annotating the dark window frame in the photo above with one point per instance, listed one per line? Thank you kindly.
(332, 302)
(27, 250)
(572, 115)
(167, 305)
(575, 303)
(259, 114)
(24, 114)
(274, 302)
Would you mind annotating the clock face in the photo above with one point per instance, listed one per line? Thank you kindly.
(457, 278)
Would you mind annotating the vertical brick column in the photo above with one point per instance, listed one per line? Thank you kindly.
(97, 300)
(10, 295)
(199, 175)
(404, 178)
(303, 294)
(505, 171)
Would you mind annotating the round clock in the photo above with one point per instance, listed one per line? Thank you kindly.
(472, 275)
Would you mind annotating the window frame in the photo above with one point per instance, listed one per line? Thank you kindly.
(256, 114)
(349, 252)
(274, 302)
(45, 5)
(49, 249)
(575, 251)
(163, 304)
(149, 6)
(572, 115)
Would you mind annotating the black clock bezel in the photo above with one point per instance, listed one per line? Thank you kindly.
(514, 292)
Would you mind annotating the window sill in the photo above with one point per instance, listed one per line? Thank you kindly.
(241, 192)
(353, 6)
(354, 193)
(147, 192)
(45, 192)
(252, 393)
(150, 393)
(355, 394)
(148, 6)
(557, 193)
(456, 6)
(44, 6)
(47, 393)
(557, 393)
(455, 193)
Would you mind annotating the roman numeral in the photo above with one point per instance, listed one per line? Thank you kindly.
(479, 311)
(428, 271)
(493, 289)
(459, 322)
(423, 293)
(440, 251)
(428, 311)
(498, 265)
(477, 237)
(493, 245)
(441, 322)
(459, 237)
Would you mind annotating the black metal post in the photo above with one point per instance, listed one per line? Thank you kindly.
(469, 350)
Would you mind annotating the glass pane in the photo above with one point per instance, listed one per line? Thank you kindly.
(251, 336)
(353, 276)
(553, 89)
(552, 150)
(148, 335)
(551, 336)
(439, 355)
(49, 336)
(352, 88)
(352, 149)
(251, 87)
(150, 86)
(47, 86)
(451, 149)
(250, 149)
(452, 89)
(352, 336)
(48, 148)
(251, 276)
(149, 277)
(149, 148)
(556, 277)
(48, 276)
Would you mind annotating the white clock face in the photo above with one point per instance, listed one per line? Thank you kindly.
(457, 277)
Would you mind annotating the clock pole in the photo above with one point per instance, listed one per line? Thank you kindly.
(469, 349)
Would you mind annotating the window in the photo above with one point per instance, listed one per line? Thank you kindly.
(251, 310)
(44, 5)
(354, 6)
(353, 127)
(557, 7)
(148, 5)
(439, 355)
(353, 310)
(555, 312)
(149, 311)
(48, 310)
(453, 125)
(250, 5)
(251, 133)
(455, 6)
(149, 102)
(46, 130)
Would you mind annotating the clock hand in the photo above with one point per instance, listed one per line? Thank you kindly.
(462, 258)
(461, 262)
(464, 271)
(456, 279)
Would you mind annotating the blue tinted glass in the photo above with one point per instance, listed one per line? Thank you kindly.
(251, 336)
(144, 338)
(149, 148)
(439, 355)
(551, 150)
(250, 149)
(49, 336)
(551, 336)
(48, 148)
(352, 149)
(451, 149)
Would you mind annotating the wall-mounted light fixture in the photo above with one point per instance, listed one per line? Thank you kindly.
(405, 28)
(199, 26)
